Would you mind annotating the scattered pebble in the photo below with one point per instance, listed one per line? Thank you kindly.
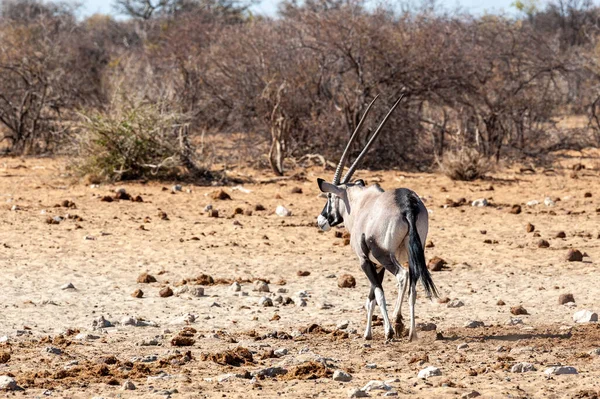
(532, 203)
(137, 293)
(357, 393)
(346, 281)
(455, 303)
(595, 352)
(548, 201)
(515, 209)
(469, 395)
(462, 346)
(522, 367)
(282, 211)
(529, 228)
(480, 202)
(166, 292)
(500, 302)
(53, 350)
(220, 195)
(436, 264)
(7, 383)
(128, 386)
(339, 375)
(428, 372)
(265, 301)
(67, 286)
(574, 255)
(86, 337)
(559, 370)
(342, 325)
(543, 244)
(560, 234)
(518, 310)
(269, 372)
(585, 316)
(146, 278)
(514, 321)
(260, 286)
(565, 298)
(375, 385)
(426, 326)
(371, 365)
(280, 352)
(101, 322)
(473, 324)
(235, 287)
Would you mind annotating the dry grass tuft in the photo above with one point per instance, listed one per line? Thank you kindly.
(465, 164)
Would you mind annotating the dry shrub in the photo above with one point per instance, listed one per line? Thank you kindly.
(464, 164)
(135, 140)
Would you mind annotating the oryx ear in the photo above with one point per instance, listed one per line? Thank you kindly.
(327, 187)
(360, 182)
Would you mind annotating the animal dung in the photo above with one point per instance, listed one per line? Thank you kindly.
(436, 264)
(346, 281)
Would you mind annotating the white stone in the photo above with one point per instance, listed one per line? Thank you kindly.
(558, 370)
(128, 321)
(462, 346)
(235, 287)
(282, 290)
(371, 365)
(86, 337)
(595, 352)
(473, 324)
(455, 303)
(196, 291)
(300, 302)
(208, 208)
(101, 322)
(7, 383)
(548, 201)
(260, 286)
(3, 339)
(375, 385)
(480, 202)
(265, 301)
(342, 325)
(357, 393)
(340, 375)
(513, 321)
(283, 211)
(177, 187)
(280, 352)
(15, 208)
(67, 286)
(128, 386)
(428, 372)
(269, 372)
(522, 367)
(532, 203)
(585, 316)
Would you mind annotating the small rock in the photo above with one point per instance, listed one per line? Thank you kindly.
(67, 286)
(86, 337)
(559, 370)
(303, 273)
(282, 211)
(208, 208)
(342, 325)
(53, 350)
(473, 324)
(371, 366)
(137, 293)
(235, 287)
(565, 298)
(480, 202)
(265, 301)
(585, 316)
(500, 302)
(391, 393)
(595, 352)
(522, 367)
(469, 395)
(196, 291)
(529, 228)
(128, 386)
(560, 234)
(455, 303)
(282, 290)
(269, 372)
(280, 352)
(101, 322)
(428, 372)
(429, 244)
(574, 255)
(518, 310)
(339, 375)
(346, 281)
(166, 292)
(587, 195)
(532, 203)
(300, 302)
(543, 244)
(436, 264)
(220, 195)
(462, 346)
(128, 321)
(259, 207)
(426, 327)
(357, 393)
(296, 190)
(516, 209)
(7, 383)
(146, 278)
(260, 286)
(177, 187)
(375, 385)
(513, 321)
(548, 201)
(213, 213)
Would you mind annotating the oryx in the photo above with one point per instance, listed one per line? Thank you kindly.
(386, 229)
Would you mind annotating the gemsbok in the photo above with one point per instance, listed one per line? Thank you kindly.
(386, 229)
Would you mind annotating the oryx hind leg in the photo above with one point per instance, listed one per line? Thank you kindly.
(402, 279)
(370, 307)
(376, 278)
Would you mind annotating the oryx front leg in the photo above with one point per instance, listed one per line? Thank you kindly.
(412, 298)
(402, 279)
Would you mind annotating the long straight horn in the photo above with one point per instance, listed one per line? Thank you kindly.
(342, 163)
(371, 140)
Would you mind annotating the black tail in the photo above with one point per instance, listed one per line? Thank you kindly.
(417, 269)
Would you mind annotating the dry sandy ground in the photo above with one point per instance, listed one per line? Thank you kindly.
(37, 258)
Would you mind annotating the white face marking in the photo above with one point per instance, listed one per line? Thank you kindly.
(323, 223)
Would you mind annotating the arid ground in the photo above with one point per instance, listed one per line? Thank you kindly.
(51, 347)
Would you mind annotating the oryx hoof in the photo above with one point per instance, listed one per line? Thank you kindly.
(389, 334)
(399, 329)
(368, 336)
(412, 336)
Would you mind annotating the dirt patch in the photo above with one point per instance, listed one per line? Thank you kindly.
(308, 371)
(235, 357)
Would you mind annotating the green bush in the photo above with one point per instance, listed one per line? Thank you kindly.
(135, 141)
